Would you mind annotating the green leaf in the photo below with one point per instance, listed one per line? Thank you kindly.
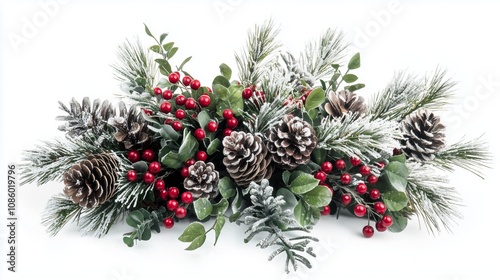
(234, 217)
(167, 132)
(225, 71)
(184, 62)
(295, 174)
(221, 80)
(315, 99)
(319, 155)
(163, 83)
(192, 231)
(227, 188)
(140, 166)
(394, 200)
(197, 242)
(397, 175)
(355, 62)
(221, 91)
(303, 184)
(305, 214)
(155, 48)
(145, 213)
(286, 177)
(399, 222)
(400, 158)
(168, 46)
(172, 52)
(141, 81)
(355, 87)
(203, 119)
(350, 78)
(129, 241)
(146, 234)
(188, 147)
(220, 207)
(237, 201)
(162, 37)
(147, 31)
(202, 208)
(289, 197)
(164, 65)
(318, 197)
(336, 66)
(135, 219)
(219, 224)
(213, 147)
(172, 160)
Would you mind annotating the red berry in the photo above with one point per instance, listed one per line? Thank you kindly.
(173, 192)
(345, 199)
(379, 207)
(168, 121)
(327, 167)
(345, 178)
(199, 134)
(340, 164)
(320, 175)
(368, 231)
(372, 179)
(381, 165)
(195, 84)
(189, 162)
(227, 114)
(204, 100)
(227, 132)
(173, 78)
(186, 80)
(165, 107)
(380, 227)
(160, 184)
(201, 155)
(232, 123)
(326, 210)
(247, 93)
(163, 194)
(386, 221)
(397, 152)
(361, 188)
(172, 204)
(355, 161)
(148, 112)
(374, 194)
(157, 90)
(131, 175)
(187, 197)
(212, 126)
(209, 89)
(177, 126)
(190, 103)
(180, 212)
(168, 222)
(365, 170)
(167, 94)
(148, 155)
(154, 167)
(148, 178)
(133, 156)
(180, 100)
(184, 172)
(359, 210)
(180, 114)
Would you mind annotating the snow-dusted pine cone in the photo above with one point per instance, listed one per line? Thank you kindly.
(131, 126)
(246, 158)
(297, 74)
(344, 102)
(92, 181)
(291, 142)
(423, 135)
(202, 180)
(82, 117)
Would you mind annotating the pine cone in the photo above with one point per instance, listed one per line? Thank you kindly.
(246, 158)
(203, 180)
(92, 181)
(344, 102)
(423, 135)
(291, 142)
(84, 117)
(131, 125)
(297, 74)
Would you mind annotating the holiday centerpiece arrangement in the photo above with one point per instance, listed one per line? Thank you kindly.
(289, 141)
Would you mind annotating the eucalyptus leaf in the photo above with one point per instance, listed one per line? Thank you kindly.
(167, 132)
(395, 200)
(399, 222)
(227, 188)
(129, 241)
(203, 119)
(221, 80)
(192, 231)
(355, 87)
(197, 242)
(315, 99)
(350, 78)
(355, 62)
(225, 71)
(172, 160)
(303, 184)
(135, 219)
(220, 207)
(219, 224)
(189, 146)
(289, 197)
(318, 197)
(305, 214)
(202, 208)
(214, 146)
(146, 234)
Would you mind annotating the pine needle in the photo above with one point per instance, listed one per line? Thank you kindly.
(134, 62)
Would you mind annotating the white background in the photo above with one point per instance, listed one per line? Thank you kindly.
(68, 52)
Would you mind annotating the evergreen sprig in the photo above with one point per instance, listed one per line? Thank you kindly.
(267, 215)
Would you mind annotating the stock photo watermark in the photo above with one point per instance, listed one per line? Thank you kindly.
(31, 25)
(121, 274)
(222, 7)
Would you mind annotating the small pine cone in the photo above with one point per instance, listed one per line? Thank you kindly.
(291, 142)
(131, 125)
(423, 135)
(92, 181)
(246, 158)
(344, 102)
(202, 180)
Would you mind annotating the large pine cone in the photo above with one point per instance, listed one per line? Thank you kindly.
(344, 102)
(203, 180)
(291, 142)
(246, 158)
(92, 181)
(423, 135)
(82, 117)
(131, 125)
